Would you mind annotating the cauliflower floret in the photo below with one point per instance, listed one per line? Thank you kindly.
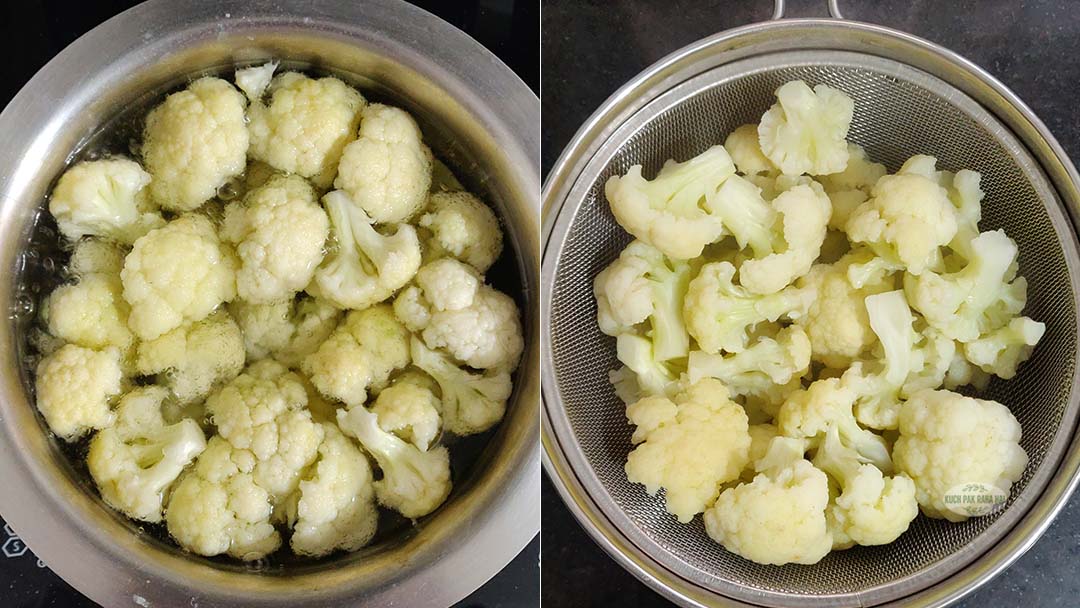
(306, 125)
(806, 130)
(860, 174)
(96, 256)
(366, 267)
(745, 214)
(766, 363)
(966, 195)
(644, 373)
(254, 80)
(135, 462)
(90, 313)
(486, 334)
(906, 220)
(871, 509)
(192, 359)
(279, 232)
(104, 198)
(471, 403)
(414, 482)
(364, 349)
(387, 169)
(1001, 351)
(463, 227)
(74, 388)
(745, 150)
(177, 274)
(719, 314)
(444, 284)
(285, 331)
(218, 508)
(806, 210)
(336, 508)
(410, 410)
(949, 440)
(667, 211)
(194, 142)
(689, 446)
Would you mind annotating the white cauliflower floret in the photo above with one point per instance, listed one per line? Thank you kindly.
(667, 212)
(966, 195)
(364, 349)
(462, 227)
(485, 334)
(366, 267)
(218, 508)
(1001, 351)
(135, 462)
(410, 410)
(414, 482)
(96, 256)
(805, 131)
(336, 508)
(285, 331)
(177, 274)
(745, 150)
(192, 359)
(860, 174)
(644, 372)
(471, 403)
(387, 169)
(948, 440)
(194, 142)
(305, 126)
(279, 232)
(74, 388)
(90, 313)
(766, 363)
(805, 210)
(719, 314)
(906, 220)
(254, 80)
(689, 446)
(444, 284)
(745, 214)
(104, 198)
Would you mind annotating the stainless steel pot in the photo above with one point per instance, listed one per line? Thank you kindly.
(478, 116)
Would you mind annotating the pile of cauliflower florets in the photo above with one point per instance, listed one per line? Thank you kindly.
(792, 322)
(254, 355)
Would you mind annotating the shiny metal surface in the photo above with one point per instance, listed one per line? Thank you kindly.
(476, 114)
(684, 102)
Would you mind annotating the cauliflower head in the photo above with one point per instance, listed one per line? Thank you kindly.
(947, 440)
(386, 170)
(410, 410)
(106, 199)
(305, 126)
(463, 227)
(805, 131)
(689, 445)
(194, 358)
(135, 462)
(279, 232)
(176, 274)
(471, 403)
(805, 210)
(91, 313)
(286, 331)
(194, 142)
(485, 334)
(75, 387)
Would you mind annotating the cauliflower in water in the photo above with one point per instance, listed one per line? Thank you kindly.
(91, 313)
(176, 274)
(463, 227)
(409, 409)
(192, 359)
(254, 80)
(96, 256)
(806, 130)
(286, 331)
(194, 142)
(279, 232)
(689, 446)
(305, 126)
(386, 170)
(106, 199)
(948, 440)
(471, 403)
(75, 386)
(136, 461)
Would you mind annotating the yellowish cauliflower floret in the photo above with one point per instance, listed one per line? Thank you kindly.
(279, 232)
(194, 142)
(745, 150)
(463, 227)
(136, 461)
(177, 274)
(104, 198)
(471, 403)
(285, 331)
(74, 388)
(364, 349)
(410, 410)
(860, 174)
(766, 363)
(91, 313)
(218, 508)
(387, 169)
(806, 130)
(1001, 351)
(96, 256)
(948, 440)
(689, 446)
(336, 509)
(806, 210)
(192, 359)
(305, 126)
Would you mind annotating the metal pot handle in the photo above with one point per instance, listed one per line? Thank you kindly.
(778, 9)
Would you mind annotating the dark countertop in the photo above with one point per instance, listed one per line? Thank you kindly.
(31, 32)
(590, 48)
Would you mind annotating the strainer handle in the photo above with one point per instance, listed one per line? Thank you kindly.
(834, 9)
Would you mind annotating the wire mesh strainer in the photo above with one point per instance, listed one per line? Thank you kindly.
(910, 97)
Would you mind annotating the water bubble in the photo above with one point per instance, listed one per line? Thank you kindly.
(259, 565)
(22, 307)
(229, 190)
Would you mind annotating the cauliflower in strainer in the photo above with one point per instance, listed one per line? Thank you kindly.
(806, 130)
